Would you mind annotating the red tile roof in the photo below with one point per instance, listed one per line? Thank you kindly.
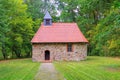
(59, 33)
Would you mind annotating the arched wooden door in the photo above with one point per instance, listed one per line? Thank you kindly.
(47, 55)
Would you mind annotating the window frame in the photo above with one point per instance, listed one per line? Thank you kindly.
(47, 21)
(69, 47)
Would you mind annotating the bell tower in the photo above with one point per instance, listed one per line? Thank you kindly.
(47, 19)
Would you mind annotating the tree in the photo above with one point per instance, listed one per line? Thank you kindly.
(99, 22)
(37, 9)
(4, 18)
(21, 28)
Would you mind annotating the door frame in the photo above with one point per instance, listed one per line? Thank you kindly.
(47, 55)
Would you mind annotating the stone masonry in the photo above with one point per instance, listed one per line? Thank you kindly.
(58, 51)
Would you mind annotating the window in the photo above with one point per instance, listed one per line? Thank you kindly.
(69, 47)
(47, 21)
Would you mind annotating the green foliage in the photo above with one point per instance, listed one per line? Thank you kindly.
(21, 27)
(34, 8)
(69, 11)
(16, 27)
(99, 20)
(19, 20)
(94, 68)
(107, 32)
(4, 18)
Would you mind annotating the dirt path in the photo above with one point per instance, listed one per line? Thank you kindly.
(48, 72)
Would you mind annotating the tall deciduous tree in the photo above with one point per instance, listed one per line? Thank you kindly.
(21, 28)
(16, 28)
(4, 18)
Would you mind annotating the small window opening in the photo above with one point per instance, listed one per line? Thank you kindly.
(69, 47)
(47, 21)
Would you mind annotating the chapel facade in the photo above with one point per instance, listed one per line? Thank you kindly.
(59, 42)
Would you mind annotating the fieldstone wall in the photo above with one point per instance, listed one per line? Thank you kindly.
(58, 51)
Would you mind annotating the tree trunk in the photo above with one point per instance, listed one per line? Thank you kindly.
(12, 52)
(28, 54)
(4, 51)
(95, 14)
(17, 51)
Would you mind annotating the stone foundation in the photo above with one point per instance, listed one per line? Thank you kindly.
(58, 52)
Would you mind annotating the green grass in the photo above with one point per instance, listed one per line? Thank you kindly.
(20, 69)
(94, 68)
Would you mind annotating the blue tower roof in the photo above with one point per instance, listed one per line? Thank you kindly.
(47, 16)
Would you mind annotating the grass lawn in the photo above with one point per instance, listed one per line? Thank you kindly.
(94, 68)
(20, 69)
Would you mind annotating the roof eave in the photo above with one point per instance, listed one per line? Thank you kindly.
(59, 42)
